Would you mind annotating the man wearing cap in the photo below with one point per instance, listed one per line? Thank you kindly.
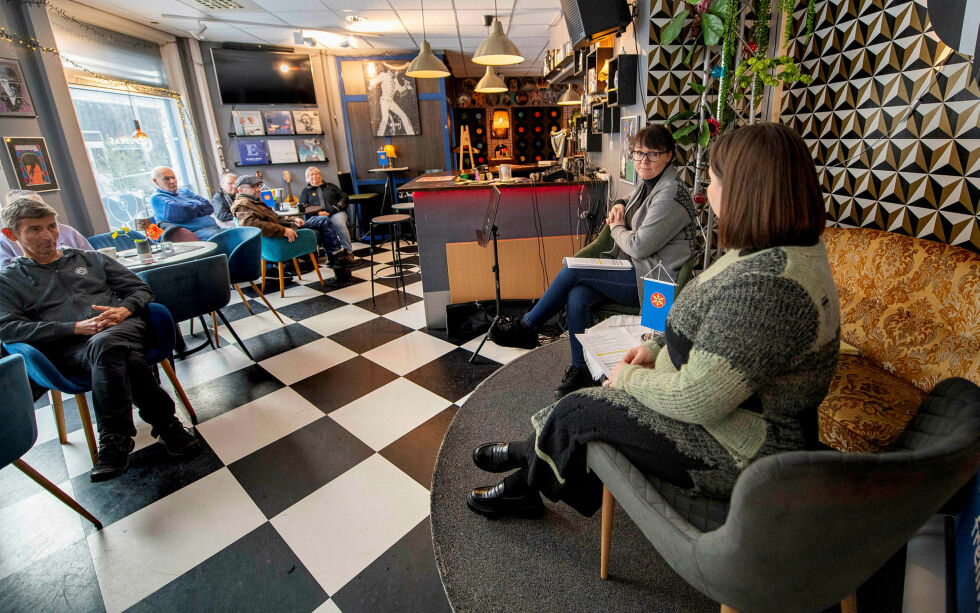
(251, 211)
(176, 206)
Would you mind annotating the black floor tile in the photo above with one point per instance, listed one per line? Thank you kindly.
(370, 334)
(364, 252)
(441, 333)
(271, 286)
(236, 309)
(387, 302)
(73, 421)
(299, 311)
(152, 475)
(62, 581)
(46, 458)
(415, 453)
(404, 578)
(451, 375)
(277, 341)
(231, 391)
(259, 572)
(344, 383)
(286, 471)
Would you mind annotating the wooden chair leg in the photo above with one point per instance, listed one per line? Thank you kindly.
(316, 267)
(266, 301)
(263, 276)
(608, 507)
(59, 416)
(727, 609)
(56, 491)
(192, 326)
(849, 604)
(244, 300)
(169, 369)
(282, 282)
(214, 326)
(93, 448)
(296, 266)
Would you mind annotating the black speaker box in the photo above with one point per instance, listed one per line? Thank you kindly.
(590, 20)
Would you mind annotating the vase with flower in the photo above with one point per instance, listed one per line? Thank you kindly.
(142, 242)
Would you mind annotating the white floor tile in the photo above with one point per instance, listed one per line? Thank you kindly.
(358, 292)
(389, 412)
(47, 427)
(295, 293)
(414, 288)
(328, 607)
(495, 352)
(253, 325)
(361, 513)
(35, 528)
(413, 316)
(460, 402)
(404, 354)
(141, 553)
(235, 434)
(306, 360)
(77, 457)
(363, 273)
(337, 320)
(205, 367)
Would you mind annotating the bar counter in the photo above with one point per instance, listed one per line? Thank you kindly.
(538, 224)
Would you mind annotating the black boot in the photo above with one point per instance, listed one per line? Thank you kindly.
(113, 457)
(178, 440)
(514, 334)
(495, 501)
(575, 378)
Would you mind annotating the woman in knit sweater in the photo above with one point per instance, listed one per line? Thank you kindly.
(750, 348)
(654, 226)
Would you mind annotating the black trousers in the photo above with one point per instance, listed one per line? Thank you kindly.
(115, 361)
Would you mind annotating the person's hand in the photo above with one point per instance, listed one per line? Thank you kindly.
(300, 222)
(110, 316)
(617, 216)
(614, 375)
(87, 327)
(609, 216)
(290, 234)
(638, 355)
(323, 214)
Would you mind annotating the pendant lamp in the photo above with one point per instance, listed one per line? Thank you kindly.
(426, 65)
(490, 83)
(571, 97)
(497, 49)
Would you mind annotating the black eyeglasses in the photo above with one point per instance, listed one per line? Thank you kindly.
(650, 156)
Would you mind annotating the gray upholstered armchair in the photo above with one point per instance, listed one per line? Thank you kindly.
(803, 529)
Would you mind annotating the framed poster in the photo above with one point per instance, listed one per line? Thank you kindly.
(15, 100)
(278, 122)
(393, 100)
(251, 153)
(248, 123)
(30, 159)
(311, 150)
(307, 122)
(627, 130)
(282, 151)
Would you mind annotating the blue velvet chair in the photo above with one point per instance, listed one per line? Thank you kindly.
(18, 429)
(243, 246)
(279, 250)
(42, 372)
(193, 289)
(121, 242)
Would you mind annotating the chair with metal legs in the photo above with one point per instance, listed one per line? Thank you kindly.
(397, 267)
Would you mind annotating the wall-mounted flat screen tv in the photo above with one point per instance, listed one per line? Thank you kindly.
(263, 77)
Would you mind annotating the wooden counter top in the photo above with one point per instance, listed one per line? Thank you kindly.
(438, 181)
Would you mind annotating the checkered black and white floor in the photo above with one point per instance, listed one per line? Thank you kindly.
(312, 490)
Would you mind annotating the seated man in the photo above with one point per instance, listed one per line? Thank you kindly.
(84, 311)
(181, 207)
(251, 211)
(223, 199)
(67, 235)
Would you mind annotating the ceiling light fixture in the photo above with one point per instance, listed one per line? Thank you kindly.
(497, 49)
(571, 97)
(426, 65)
(199, 35)
(490, 83)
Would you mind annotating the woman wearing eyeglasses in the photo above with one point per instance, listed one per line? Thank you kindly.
(655, 226)
(751, 346)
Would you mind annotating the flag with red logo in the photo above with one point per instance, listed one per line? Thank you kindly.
(658, 297)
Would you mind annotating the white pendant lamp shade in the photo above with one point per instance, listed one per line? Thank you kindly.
(490, 83)
(427, 65)
(497, 50)
(570, 98)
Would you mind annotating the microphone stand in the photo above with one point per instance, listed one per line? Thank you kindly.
(496, 284)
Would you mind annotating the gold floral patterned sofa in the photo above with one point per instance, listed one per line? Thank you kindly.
(912, 309)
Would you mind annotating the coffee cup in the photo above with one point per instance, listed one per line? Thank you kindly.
(108, 251)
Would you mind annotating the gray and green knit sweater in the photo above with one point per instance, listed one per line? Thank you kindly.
(751, 346)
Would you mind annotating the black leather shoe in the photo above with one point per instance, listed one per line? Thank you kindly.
(177, 439)
(494, 458)
(113, 459)
(575, 379)
(492, 501)
(514, 334)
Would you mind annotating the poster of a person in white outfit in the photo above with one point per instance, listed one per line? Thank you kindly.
(392, 99)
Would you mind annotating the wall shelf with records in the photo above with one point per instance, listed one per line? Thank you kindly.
(233, 135)
(259, 131)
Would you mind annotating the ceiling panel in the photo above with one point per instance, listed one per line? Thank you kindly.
(291, 5)
(311, 19)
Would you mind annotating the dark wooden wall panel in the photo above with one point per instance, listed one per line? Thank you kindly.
(423, 152)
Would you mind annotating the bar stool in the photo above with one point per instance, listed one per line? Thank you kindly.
(358, 200)
(407, 208)
(397, 268)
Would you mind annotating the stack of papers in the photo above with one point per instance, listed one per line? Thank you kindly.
(605, 345)
(598, 263)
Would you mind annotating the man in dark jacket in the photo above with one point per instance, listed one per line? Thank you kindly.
(85, 312)
(225, 197)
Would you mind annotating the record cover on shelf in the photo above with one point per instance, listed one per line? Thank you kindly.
(278, 122)
(311, 150)
(248, 123)
(282, 151)
(307, 122)
(251, 153)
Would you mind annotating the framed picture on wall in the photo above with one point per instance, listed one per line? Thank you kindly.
(310, 150)
(307, 122)
(30, 159)
(627, 130)
(15, 100)
(393, 100)
(248, 123)
(278, 122)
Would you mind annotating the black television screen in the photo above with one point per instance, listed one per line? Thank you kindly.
(263, 77)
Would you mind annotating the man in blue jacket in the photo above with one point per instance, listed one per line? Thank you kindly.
(175, 206)
(85, 312)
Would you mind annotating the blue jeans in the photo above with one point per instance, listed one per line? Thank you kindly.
(578, 289)
(339, 222)
(328, 235)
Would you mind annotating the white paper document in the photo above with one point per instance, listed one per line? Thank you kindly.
(605, 347)
(598, 263)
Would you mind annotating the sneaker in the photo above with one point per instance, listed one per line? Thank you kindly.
(514, 334)
(575, 378)
(177, 439)
(113, 457)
